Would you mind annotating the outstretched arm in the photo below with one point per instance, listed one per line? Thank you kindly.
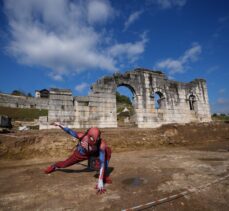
(67, 130)
(100, 185)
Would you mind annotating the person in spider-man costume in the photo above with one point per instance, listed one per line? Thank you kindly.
(90, 144)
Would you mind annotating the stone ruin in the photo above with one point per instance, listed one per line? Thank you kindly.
(177, 102)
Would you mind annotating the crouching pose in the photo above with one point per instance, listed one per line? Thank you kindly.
(90, 144)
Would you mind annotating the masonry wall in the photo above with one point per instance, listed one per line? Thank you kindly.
(95, 110)
(13, 101)
(176, 108)
(61, 109)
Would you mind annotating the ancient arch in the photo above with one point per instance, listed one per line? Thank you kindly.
(143, 83)
(99, 107)
(192, 100)
(159, 99)
(126, 115)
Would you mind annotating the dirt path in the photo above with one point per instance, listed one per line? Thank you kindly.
(138, 177)
(147, 165)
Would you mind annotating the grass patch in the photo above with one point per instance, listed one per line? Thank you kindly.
(220, 118)
(23, 114)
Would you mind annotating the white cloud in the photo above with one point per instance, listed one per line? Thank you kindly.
(222, 91)
(56, 77)
(223, 19)
(222, 101)
(64, 35)
(212, 69)
(99, 11)
(81, 87)
(192, 53)
(132, 18)
(179, 65)
(129, 50)
(175, 66)
(167, 4)
(221, 105)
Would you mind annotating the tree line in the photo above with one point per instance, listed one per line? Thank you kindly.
(21, 93)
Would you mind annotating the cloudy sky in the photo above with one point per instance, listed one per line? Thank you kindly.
(73, 43)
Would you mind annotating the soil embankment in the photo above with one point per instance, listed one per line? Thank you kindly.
(56, 143)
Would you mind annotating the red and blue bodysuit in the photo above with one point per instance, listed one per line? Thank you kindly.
(90, 144)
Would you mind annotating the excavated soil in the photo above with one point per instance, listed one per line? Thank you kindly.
(146, 165)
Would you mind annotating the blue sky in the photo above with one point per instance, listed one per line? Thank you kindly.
(73, 43)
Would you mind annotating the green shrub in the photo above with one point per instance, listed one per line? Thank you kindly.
(221, 117)
(122, 99)
(23, 114)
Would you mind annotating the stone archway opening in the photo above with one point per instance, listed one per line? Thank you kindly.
(192, 102)
(125, 104)
(159, 100)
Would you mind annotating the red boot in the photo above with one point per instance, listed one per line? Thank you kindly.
(107, 180)
(50, 169)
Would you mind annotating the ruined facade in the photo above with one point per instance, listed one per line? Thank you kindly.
(13, 101)
(176, 102)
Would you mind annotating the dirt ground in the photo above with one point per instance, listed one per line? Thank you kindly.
(146, 165)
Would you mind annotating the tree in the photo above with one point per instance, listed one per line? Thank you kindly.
(122, 99)
(18, 93)
(29, 94)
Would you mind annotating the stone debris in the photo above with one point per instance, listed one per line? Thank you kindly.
(5, 122)
(23, 128)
